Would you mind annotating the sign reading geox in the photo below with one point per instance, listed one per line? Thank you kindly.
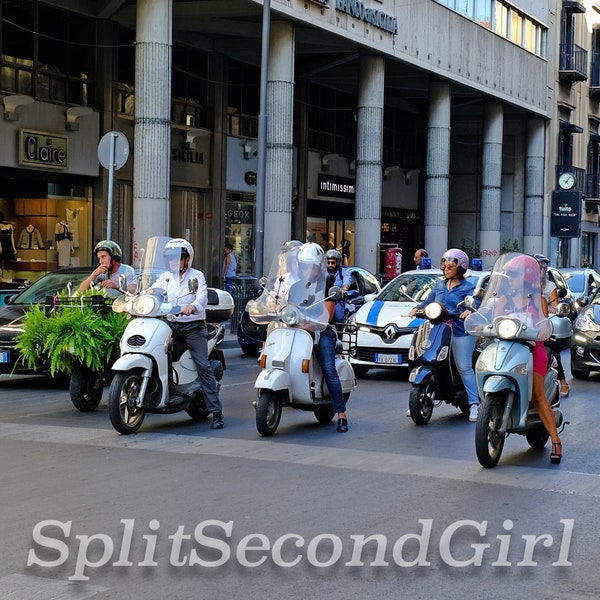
(565, 221)
(375, 17)
(38, 149)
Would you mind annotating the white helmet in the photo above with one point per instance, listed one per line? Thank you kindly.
(178, 248)
(311, 254)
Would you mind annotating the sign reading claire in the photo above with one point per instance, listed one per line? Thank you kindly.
(565, 221)
(40, 149)
(377, 18)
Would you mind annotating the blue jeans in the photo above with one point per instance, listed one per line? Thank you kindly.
(325, 353)
(229, 284)
(462, 348)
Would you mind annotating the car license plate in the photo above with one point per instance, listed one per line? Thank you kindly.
(388, 359)
(4, 357)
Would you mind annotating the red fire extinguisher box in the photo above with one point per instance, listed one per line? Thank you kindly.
(393, 262)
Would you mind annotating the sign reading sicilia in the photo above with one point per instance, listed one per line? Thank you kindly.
(377, 18)
(39, 149)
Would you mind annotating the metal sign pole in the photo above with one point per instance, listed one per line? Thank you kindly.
(111, 184)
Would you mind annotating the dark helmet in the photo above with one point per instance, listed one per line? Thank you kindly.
(111, 247)
(334, 254)
(541, 258)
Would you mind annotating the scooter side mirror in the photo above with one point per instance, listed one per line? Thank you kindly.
(262, 282)
(563, 309)
(470, 303)
(123, 283)
(335, 293)
(193, 285)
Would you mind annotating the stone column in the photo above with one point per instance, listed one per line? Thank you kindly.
(533, 229)
(152, 137)
(280, 155)
(437, 183)
(369, 152)
(491, 181)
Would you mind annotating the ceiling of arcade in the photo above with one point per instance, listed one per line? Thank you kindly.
(233, 27)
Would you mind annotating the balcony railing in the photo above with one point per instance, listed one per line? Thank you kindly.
(573, 62)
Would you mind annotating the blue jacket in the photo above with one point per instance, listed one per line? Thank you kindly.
(450, 300)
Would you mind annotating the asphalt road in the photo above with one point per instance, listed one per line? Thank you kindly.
(388, 510)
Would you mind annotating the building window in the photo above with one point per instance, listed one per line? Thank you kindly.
(505, 20)
(47, 53)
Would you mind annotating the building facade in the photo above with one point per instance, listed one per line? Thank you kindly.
(410, 124)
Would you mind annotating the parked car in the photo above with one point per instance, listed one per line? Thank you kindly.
(380, 332)
(251, 336)
(582, 282)
(11, 315)
(585, 347)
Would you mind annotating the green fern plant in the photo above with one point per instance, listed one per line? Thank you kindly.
(73, 334)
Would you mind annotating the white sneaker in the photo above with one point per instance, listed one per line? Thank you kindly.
(473, 413)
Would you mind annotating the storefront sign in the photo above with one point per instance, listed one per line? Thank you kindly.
(373, 16)
(336, 187)
(565, 221)
(41, 149)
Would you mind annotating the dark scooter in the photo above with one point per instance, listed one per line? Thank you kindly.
(433, 374)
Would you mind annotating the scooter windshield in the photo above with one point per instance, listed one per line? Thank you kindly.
(154, 259)
(293, 293)
(512, 306)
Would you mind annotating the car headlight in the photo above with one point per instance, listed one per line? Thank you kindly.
(585, 321)
(145, 305)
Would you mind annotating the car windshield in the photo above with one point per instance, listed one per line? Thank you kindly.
(49, 285)
(409, 287)
(576, 283)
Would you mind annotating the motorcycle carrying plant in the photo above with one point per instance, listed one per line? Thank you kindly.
(73, 333)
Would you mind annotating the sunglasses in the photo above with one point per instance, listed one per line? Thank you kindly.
(449, 262)
(332, 262)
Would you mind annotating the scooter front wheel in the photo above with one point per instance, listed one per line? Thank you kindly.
(489, 442)
(420, 402)
(85, 388)
(268, 412)
(124, 389)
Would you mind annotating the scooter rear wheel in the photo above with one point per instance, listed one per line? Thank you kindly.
(268, 412)
(420, 402)
(489, 443)
(85, 388)
(537, 437)
(124, 389)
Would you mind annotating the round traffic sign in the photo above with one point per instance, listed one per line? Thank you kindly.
(120, 146)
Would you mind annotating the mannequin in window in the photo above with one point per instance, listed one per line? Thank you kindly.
(64, 244)
(7, 240)
(30, 239)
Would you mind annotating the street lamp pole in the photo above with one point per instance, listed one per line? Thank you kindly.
(262, 142)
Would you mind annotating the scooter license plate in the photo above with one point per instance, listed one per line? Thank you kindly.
(4, 357)
(388, 359)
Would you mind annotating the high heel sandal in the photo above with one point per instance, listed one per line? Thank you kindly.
(564, 390)
(555, 457)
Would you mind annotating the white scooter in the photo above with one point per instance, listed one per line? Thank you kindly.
(291, 375)
(155, 373)
(508, 318)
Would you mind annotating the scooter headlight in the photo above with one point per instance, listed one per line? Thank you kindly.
(145, 305)
(507, 328)
(433, 310)
(290, 315)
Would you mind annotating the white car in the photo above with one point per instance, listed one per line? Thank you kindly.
(379, 333)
